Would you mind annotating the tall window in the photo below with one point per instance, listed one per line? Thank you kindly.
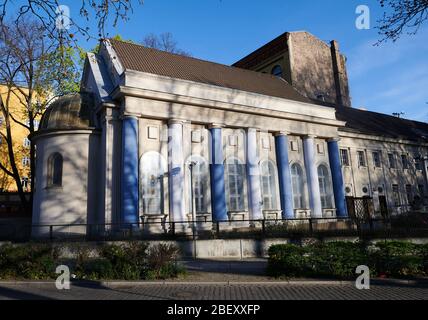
(25, 183)
(409, 193)
(391, 160)
(396, 195)
(235, 173)
(277, 71)
(267, 169)
(55, 163)
(297, 184)
(26, 143)
(404, 161)
(25, 161)
(421, 190)
(418, 162)
(376, 159)
(200, 178)
(361, 159)
(152, 170)
(344, 157)
(325, 186)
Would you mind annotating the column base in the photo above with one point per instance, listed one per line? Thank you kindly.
(154, 224)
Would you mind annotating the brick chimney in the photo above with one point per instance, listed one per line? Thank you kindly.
(340, 76)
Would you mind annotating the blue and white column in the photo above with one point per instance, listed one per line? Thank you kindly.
(218, 190)
(176, 168)
(284, 175)
(312, 176)
(129, 176)
(337, 176)
(253, 176)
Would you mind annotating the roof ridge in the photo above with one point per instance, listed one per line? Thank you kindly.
(200, 60)
(391, 116)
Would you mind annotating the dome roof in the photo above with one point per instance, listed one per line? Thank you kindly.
(72, 111)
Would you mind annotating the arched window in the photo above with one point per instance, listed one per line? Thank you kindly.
(152, 170)
(325, 186)
(277, 71)
(297, 184)
(200, 180)
(55, 170)
(235, 175)
(268, 185)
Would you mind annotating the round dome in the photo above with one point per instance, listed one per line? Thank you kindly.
(72, 111)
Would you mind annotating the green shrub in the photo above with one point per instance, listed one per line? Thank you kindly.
(32, 261)
(131, 261)
(340, 259)
(398, 259)
(336, 259)
(96, 269)
(287, 260)
(128, 261)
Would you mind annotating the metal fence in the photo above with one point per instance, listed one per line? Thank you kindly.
(200, 230)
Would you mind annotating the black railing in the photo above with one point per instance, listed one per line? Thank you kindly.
(200, 230)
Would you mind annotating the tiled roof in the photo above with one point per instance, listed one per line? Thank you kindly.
(140, 58)
(368, 122)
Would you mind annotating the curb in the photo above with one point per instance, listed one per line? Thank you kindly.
(119, 283)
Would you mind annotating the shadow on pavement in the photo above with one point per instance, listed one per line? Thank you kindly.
(244, 267)
(20, 295)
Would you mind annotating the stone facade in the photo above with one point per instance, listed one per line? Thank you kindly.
(314, 68)
(166, 149)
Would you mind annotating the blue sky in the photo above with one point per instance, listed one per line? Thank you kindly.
(390, 78)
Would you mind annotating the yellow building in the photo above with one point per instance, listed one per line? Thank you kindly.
(21, 143)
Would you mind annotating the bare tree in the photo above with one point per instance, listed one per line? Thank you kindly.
(30, 71)
(49, 14)
(401, 15)
(165, 42)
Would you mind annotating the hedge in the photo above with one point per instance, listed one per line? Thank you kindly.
(340, 259)
(133, 261)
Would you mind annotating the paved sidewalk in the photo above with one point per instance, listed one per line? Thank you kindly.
(218, 280)
(226, 292)
(249, 270)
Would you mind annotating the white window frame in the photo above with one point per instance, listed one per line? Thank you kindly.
(392, 161)
(152, 173)
(297, 186)
(236, 177)
(324, 182)
(361, 157)
(199, 190)
(344, 157)
(268, 176)
(378, 163)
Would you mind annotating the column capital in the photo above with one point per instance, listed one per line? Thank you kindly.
(281, 133)
(128, 115)
(176, 121)
(253, 128)
(334, 139)
(310, 136)
(216, 126)
(107, 104)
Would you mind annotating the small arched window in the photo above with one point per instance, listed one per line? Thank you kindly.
(325, 187)
(235, 175)
(55, 163)
(277, 71)
(268, 183)
(297, 184)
